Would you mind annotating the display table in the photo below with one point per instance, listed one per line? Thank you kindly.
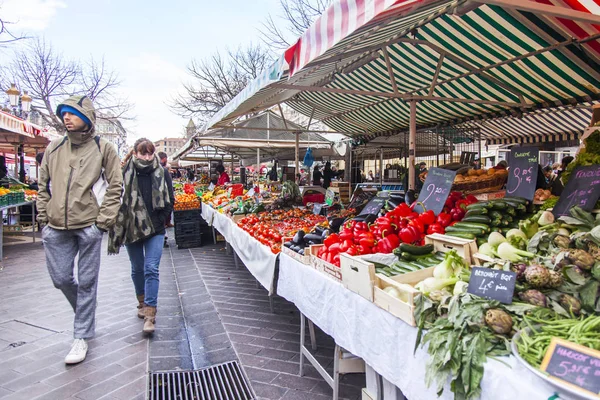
(33, 219)
(385, 342)
(258, 258)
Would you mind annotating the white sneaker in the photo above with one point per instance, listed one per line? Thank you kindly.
(78, 352)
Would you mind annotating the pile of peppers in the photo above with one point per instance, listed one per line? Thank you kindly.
(400, 225)
(456, 205)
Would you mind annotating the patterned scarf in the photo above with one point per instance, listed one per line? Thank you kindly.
(134, 222)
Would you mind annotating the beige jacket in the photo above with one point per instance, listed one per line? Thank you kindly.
(70, 168)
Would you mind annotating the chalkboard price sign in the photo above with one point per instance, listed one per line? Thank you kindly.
(524, 167)
(492, 284)
(583, 190)
(436, 189)
(374, 206)
(575, 365)
(329, 197)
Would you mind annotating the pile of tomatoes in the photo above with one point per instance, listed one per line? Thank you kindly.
(270, 228)
(185, 201)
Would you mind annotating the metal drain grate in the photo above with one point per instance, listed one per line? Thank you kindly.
(219, 382)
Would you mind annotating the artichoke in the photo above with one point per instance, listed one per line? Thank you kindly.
(498, 321)
(519, 269)
(581, 258)
(570, 303)
(562, 241)
(555, 280)
(537, 276)
(534, 297)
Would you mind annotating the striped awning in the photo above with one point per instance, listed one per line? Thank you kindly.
(513, 68)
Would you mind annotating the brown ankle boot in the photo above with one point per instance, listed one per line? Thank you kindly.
(140, 307)
(149, 319)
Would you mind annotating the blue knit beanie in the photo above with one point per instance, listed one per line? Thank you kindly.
(64, 109)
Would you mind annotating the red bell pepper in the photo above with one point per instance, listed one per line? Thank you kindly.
(388, 244)
(345, 245)
(418, 225)
(462, 203)
(365, 250)
(444, 219)
(403, 210)
(336, 260)
(435, 228)
(427, 218)
(472, 199)
(410, 234)
(367, 239)
(331, 239)
(352, 250)
(334, 248)
(457, 214)
(346, 234)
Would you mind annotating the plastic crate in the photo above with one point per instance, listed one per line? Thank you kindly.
(190, 244)
(187, 228)
(186, 216)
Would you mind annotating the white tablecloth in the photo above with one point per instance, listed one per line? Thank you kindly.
(385, 342)
(258, 258)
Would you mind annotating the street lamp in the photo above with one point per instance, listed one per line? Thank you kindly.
(13, 97)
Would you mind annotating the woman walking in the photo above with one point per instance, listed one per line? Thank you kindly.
(147, 204)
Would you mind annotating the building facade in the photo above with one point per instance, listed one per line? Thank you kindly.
(112, 130)
(170, 145)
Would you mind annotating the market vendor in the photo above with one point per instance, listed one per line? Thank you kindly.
(223, 176)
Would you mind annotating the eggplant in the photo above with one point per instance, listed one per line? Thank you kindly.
(298, 237)
(288, 244)
(301, 252)
(325, 233)
(335, 224)
(311, 237)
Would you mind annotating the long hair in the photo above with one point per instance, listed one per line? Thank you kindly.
(142, 145)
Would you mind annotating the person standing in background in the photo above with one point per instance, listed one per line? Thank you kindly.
(79, 198)
(223, 176)
(317, 176)
(327, 175)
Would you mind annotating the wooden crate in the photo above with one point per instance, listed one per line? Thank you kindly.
(358, 275)
(464, 247)
(304, 259)
(323, 266)
(401, 308)
(480, 259)
(337, 184)
(236, 218)
(500, 194)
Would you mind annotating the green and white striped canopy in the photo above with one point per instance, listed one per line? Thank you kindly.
(514, 74)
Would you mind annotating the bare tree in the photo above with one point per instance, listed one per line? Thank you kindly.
(50, 77)
(295, 18)
(6, 35)
(218, 79)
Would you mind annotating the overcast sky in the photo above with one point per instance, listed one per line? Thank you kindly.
(149, 43)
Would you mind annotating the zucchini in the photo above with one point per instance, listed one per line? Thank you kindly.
(498, 205)
(477, 211)
(462, 235)
(481, 241)
(397, 270)
(478, 206)
(485, 227)
(416, 250)
(422, 264)
(457, 229)
(405, 265)
(511, 211)
(480, 219)
(495, 215)
(379, 265)
(439, 256)
(517, 199)
(386, 273)
(412, 257)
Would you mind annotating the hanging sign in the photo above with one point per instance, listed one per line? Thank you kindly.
(435, 190)
(523, 172)
(575, 365)
(583, 190)
(492, 284)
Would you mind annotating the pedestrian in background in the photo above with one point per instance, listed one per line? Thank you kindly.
(327, 175)
(147, 202)
(84, 172)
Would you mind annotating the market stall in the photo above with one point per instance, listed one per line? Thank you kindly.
(493, 67)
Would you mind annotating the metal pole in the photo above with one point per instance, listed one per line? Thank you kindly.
(37, 167)
(16, 161)
(412, 144)
(257, 164)
(437, 148)
(381, 167)
(480, 159)
(297, 153)
(233, 167)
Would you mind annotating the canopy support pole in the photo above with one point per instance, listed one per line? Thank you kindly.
(257, 164)
(297, 154)
(412, 144)
(232, 166)
(16, 161)
(37, 167)
(437, 147)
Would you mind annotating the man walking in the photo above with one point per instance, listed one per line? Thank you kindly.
(79, 198)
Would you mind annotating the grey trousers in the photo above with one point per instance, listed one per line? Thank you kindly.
(61, 247)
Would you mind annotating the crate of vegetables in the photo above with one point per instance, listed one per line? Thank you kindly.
(397, 294)
(323, 265)
(442, 243)
(358, 275)
(297, 251)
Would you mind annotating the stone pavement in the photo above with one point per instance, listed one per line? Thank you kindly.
(209, 312)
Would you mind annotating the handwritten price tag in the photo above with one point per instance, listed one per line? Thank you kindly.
(575, 365)
(583, 190)
(492, 284)
(523, 163)
(436, 189)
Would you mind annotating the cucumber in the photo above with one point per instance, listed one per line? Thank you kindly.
(458, 229)
(480, 219)
(461, 235)
(406, 265)
(423, 264)
(416, 250)
(397, 270)
(411, 257)
(429, 261)
(485, 227)
(439, 256)
(386, 273)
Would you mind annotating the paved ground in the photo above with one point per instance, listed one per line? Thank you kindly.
(209, 312)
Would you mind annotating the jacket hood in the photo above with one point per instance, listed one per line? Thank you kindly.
(83, 104)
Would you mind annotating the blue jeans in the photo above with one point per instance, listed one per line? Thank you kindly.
(145, 258)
